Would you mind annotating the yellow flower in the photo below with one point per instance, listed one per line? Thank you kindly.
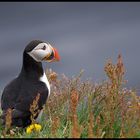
(28, 130)
(37, 127)
(33, 127)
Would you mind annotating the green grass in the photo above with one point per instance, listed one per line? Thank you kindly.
(103, 110)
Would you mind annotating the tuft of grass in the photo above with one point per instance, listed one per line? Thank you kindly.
(34, 109)
(84, 109)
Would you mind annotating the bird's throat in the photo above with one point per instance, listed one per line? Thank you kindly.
(30, 67)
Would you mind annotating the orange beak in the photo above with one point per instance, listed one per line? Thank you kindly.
(56, 55)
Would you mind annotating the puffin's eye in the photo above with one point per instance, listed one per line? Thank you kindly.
(44, 47)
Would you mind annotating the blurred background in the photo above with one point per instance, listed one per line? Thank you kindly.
(86, 34)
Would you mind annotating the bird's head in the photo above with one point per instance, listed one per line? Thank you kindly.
(42, 51)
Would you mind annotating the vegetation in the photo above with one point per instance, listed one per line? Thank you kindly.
(82, 109)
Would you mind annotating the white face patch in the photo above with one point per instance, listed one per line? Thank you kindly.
(41, 51)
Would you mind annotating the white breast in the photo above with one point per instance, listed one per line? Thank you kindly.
(45, 80)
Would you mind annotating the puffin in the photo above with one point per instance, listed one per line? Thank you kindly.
(19, 94)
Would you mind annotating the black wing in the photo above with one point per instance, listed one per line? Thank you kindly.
(10, 94)
(20, 95)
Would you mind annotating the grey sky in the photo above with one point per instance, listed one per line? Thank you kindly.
(85, 33)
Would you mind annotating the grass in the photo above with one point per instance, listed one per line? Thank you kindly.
(82, 109)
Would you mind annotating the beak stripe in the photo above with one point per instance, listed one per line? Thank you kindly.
(51, 56)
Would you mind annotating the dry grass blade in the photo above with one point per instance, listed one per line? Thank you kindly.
(34, 108)
(76, 130)
(74, 101)
(8, 118)
(8, 121)
(90, 126)
(55, 126)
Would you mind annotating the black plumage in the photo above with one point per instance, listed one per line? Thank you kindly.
(20, 92)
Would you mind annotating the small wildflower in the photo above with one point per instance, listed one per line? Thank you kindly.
(53, 76)
(130, 106)
(38, 127)
(33, 127)
(28, 130)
